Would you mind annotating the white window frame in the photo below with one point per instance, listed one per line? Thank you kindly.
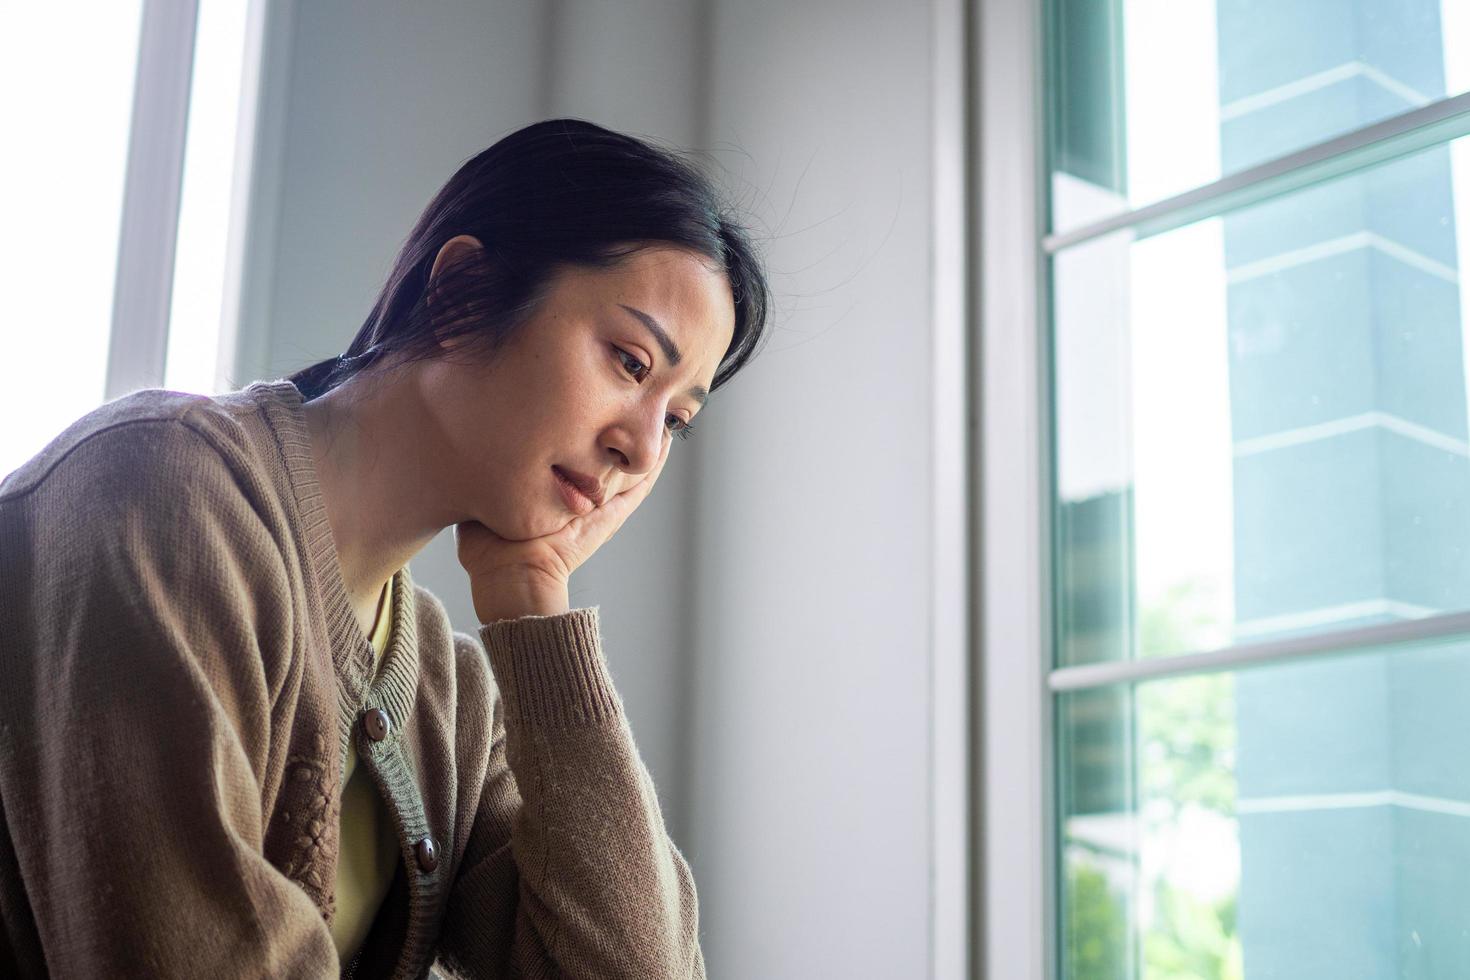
(153, 185)
(951, 886)
(1015, 915)
(143, 288)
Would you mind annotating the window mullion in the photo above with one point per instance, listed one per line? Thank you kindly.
(1016, 914)
(150, 211)
(1398, 136)
(1362, 638)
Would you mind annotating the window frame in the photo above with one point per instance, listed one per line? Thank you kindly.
(1016, 916)
(143, 288)
(148, 236)
(951, 674)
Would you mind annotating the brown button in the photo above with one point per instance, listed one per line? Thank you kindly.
(427, 854)
(375, 722)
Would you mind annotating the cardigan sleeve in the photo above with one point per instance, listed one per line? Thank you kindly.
(145, 613)
(568, 872)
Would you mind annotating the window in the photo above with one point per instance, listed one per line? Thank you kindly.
(67, 97)
(199, 314)
(118, 196)
(1258, 378)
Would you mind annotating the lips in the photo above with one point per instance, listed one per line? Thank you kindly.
(589, 487)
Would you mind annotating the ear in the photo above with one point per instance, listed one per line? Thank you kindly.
(453, 250)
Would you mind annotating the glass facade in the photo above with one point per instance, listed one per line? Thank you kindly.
(1304, 820)
(1260, 432)
(1260, 419)
(1150, 98)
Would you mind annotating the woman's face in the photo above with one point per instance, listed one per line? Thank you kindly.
(587, 385)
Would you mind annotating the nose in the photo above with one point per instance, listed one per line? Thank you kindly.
(635, 444)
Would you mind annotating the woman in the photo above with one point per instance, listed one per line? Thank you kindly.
(237, 740)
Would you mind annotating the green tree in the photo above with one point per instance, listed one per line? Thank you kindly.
(1186, 758)
(1096, 923)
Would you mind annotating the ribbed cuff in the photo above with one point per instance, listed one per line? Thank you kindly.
(550, 669)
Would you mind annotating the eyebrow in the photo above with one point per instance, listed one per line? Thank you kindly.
(666, 343)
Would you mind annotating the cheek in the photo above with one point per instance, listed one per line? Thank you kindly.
(534, 412)
(576, 407)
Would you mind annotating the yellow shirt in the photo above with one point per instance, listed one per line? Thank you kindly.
(370, 852)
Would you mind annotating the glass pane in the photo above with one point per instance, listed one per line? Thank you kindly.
(205, 198)
(66, 98)
(1308, 820)
(1261, 418)
(1150, 98)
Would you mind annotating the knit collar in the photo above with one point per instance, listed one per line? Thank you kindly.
(352, 655)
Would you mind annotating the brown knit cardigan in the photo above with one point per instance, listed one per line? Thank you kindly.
(180, 672)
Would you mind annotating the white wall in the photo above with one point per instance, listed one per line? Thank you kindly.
(766, 612)
(810, 794)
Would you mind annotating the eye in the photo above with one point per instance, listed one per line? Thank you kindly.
(637, 365)
(681, 428)
(638, 369)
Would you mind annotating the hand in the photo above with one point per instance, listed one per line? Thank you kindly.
(529, 578)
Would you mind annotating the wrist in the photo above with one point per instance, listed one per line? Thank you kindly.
(514, 600)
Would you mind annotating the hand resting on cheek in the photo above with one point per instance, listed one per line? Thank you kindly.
(510, 578)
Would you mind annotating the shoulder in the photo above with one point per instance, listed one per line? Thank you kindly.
(148, 513)
(134, 440)
(152, 473)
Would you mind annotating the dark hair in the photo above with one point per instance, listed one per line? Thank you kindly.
(558, 192)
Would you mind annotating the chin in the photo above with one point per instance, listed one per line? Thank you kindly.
(526, 527)
(527, 518)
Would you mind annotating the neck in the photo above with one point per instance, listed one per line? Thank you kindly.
(375, 482)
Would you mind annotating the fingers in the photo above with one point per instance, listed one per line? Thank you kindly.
(470, 537)
(585, 534)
